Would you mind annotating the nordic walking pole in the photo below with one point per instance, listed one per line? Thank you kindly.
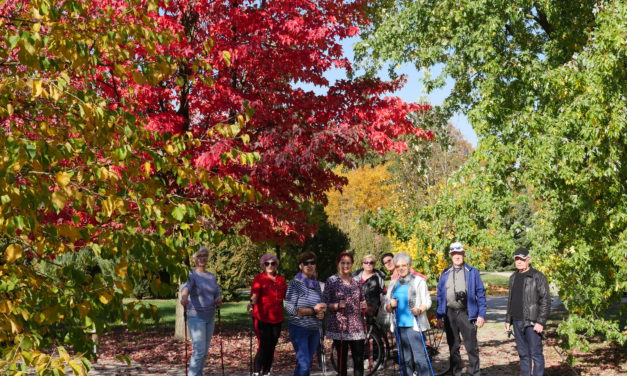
(364, 321)
(250, 344)
(397, 334)
(323, 357)
(341, 351)
(424, 345)
(221, 347)
(186, 353)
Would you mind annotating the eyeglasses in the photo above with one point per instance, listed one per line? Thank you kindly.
(307, 263)
(457, 248)
(368, 262)
(387, 261)
(346, 263)
(269, 263)
(202, 257)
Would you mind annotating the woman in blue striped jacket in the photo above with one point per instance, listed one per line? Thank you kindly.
(303, 302)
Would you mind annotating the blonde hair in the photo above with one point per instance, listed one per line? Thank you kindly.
(369, 256)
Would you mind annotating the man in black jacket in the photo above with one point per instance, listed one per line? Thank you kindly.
(528, 308)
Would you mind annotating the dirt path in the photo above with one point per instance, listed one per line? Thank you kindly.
(157, 353)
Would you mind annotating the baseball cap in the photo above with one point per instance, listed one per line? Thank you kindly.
(456, 247)
(521, 252)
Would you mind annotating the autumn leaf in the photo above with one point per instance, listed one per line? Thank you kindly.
(13, 252)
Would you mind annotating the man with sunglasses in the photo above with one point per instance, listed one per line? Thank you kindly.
(528, 307)
(462, 309)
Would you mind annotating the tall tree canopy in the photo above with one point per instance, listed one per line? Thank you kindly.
(133, 130)
(543, 84)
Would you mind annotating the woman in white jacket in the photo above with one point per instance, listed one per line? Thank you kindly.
(408, 298)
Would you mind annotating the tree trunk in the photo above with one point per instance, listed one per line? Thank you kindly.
(179, 324)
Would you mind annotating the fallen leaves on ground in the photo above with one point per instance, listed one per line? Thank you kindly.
(498, 353)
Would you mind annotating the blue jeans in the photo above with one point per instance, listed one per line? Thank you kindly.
(305, 342)
(200, 331)
(529, 346)
(413, 355)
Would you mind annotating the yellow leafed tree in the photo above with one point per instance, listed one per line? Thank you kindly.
(368, 188)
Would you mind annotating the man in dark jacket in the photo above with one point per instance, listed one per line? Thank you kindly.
(462, 308)
(528, 308)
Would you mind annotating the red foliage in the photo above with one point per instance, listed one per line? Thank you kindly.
(231, 56)
(273, 45)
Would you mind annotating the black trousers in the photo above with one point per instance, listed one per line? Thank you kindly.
(267, 338)
(455, 323)
(357, 350)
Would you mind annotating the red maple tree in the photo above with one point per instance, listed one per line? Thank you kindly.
(238, 55)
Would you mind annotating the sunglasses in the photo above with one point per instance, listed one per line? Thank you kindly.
(368, 262)
(456, 248)
(307, 263)
(269, 263)
(387, 261)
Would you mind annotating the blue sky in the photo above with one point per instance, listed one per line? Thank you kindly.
(413, 91)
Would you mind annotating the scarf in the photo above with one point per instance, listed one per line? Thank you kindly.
(411, 290)
(311, 283)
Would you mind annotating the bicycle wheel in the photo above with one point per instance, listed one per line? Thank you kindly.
(374, 351)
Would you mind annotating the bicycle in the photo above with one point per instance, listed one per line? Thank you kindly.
(381, 350)
(376, 349)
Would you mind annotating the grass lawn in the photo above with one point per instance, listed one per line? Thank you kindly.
(495, 280)
(233, 313)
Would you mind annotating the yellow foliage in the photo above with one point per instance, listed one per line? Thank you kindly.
(425, 259)
(368, 188)
(13, 252)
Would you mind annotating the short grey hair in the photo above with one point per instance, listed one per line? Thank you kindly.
(402, 256)
(200, 250)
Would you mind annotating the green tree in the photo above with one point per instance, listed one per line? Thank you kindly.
(328, 241)
(543, 85)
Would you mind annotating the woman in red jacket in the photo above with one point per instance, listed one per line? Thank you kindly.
(266, 303)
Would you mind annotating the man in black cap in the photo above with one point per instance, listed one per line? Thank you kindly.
(528, 307)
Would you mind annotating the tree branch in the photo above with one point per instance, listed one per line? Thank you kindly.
(541, 19)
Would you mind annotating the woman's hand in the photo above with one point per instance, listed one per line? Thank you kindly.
(363, 305)
(416, 311)
(184, 300)
(218, 301)
(253, 301)
(320, 307)
(393, 303)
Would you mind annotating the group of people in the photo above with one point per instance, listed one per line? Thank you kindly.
(348, 301)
